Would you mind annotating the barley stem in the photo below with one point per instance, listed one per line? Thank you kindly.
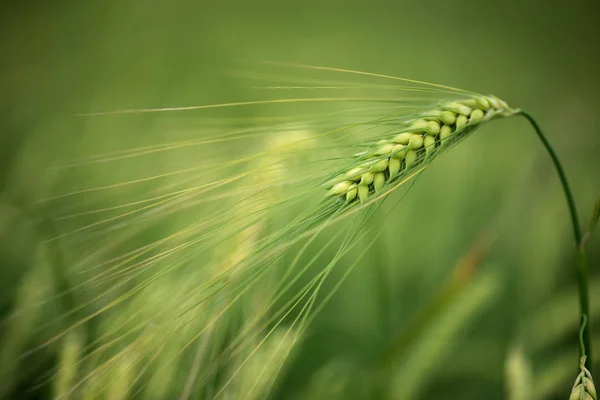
(582, 274)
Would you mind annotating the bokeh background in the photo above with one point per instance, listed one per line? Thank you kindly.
(510, 332)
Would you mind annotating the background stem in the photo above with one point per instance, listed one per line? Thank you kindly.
(582, 274)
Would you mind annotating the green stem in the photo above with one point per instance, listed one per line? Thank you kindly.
(582, 274)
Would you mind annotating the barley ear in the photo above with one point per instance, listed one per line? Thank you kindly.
(389, 158)
(584, 388)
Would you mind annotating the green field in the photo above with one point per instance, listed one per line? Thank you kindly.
(121, 234)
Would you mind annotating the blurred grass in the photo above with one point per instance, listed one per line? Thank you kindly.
(71, 57)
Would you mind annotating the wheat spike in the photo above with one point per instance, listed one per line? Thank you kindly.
(415, 145)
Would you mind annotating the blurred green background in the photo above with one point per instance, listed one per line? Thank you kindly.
(515, 325)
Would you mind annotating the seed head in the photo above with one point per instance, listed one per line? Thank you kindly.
(584, 388)
(416, 144)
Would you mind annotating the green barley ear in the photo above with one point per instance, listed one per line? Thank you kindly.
(397, 157)
(584, 388)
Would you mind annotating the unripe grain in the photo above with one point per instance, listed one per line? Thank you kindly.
(403, 138)
(448, 117)
(476, 116)
(411, 158)
(379, 166)
(394, 166)
(366, 178)
(379, 181)
(416, 141)
(433, 128)
(429, 143)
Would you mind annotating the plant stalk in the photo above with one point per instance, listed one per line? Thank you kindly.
(582, 270)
